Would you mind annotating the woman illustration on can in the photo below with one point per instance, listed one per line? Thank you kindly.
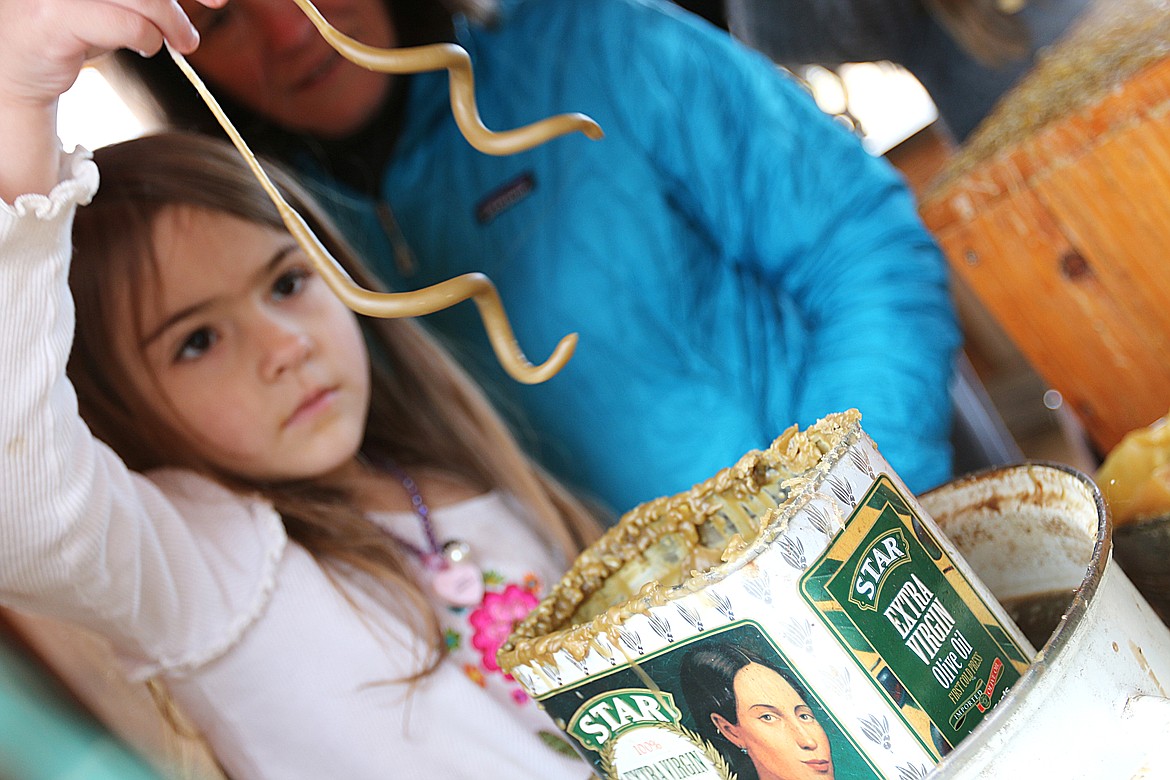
(751, 709)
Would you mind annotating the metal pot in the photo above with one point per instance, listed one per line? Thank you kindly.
(1093, 704)
(1143, 550)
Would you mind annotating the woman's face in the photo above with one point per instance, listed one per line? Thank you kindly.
(267, 55)
(246, 350)
(782, 737)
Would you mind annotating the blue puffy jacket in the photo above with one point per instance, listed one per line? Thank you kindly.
(733, 260)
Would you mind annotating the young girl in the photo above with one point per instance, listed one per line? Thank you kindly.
(269, 505)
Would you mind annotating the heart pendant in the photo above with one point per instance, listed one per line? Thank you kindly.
(459, 583)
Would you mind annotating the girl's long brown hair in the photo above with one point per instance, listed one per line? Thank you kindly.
(425, 412)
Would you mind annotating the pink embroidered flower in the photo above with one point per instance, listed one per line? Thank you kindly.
(494, 619)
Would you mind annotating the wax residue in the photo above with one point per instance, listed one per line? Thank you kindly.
(1112, 41)
(676, 544)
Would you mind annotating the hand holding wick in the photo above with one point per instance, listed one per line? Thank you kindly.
(43, 46)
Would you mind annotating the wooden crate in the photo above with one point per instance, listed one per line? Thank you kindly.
(1064, 236)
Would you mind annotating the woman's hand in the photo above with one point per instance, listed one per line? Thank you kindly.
(43, 46)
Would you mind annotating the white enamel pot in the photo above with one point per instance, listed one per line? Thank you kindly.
(1093, 704)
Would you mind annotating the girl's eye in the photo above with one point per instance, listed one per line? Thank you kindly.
(767, 717)
(290, 283)
(196, 345)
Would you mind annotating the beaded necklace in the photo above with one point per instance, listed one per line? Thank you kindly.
(451, 574)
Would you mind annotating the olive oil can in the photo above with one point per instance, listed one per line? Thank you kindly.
(797, 615)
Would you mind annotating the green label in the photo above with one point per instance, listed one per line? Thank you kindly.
(895, 601)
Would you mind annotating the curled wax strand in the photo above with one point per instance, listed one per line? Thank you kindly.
(440, 296)
(455, 60)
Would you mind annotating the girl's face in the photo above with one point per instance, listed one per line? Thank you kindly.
(247, 351)
(783, 738)
(267, 55)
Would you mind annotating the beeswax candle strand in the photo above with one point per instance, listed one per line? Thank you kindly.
(455, 60)
(440, 296)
